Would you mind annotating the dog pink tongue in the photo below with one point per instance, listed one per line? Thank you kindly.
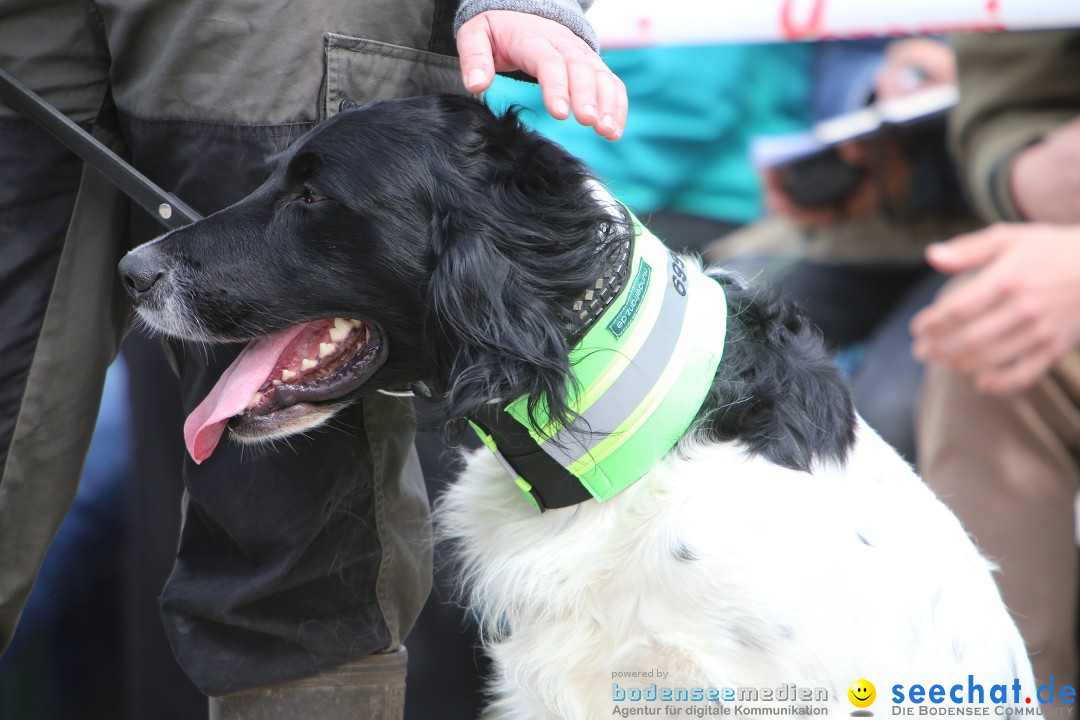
(232, 393)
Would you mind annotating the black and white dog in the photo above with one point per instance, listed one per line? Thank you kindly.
(780, 542)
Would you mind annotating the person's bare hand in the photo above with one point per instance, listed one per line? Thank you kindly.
(1015, 316)
(1045, 178)
(885, 171)
(914, 64)
(778, 202)
(910, 65)
(570, 73)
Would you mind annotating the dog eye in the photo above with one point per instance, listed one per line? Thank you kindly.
(308, 197)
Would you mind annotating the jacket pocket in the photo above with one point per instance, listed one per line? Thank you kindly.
(367, 70)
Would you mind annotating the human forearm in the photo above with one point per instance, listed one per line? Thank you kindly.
(1015, 88)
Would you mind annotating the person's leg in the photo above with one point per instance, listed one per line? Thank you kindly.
(155, 685)
(69, 636)
(863, 311)
(687, 233)
(447, 666)
(301, 556)
(1008, 467)
(60, 304)
(887, 380)
(845, 300)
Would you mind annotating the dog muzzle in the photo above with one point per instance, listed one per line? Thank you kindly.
(640, 375)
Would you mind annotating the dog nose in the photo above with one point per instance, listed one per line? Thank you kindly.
(140, 271)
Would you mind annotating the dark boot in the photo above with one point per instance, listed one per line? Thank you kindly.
(370, 688)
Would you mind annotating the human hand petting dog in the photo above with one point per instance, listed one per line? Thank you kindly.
(570, 73)
(1015, 316)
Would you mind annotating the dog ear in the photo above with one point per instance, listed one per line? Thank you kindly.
(776, 389)
(518, 234)
(492, 334)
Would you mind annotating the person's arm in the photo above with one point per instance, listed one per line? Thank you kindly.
(1017, 138)
(1015, 90)
(551, 41)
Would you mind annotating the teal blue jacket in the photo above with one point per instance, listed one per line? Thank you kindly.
(693, 111)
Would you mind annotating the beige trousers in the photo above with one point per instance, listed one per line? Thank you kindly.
(1010, 469)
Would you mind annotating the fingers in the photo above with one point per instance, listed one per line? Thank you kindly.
(970, 251)
(1019, 374)
(475, 53)
(913, 64)
(611, 94)
(779, 202)
(998, 351)
(973, 297)
(988, 339)
(571, 75)
(551, 74)
(1011, 317)
(1003, 350)
(855, 153)
(958, 306)
(583, 92)
(597, 96)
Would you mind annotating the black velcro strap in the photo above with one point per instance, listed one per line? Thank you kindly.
(552, 485)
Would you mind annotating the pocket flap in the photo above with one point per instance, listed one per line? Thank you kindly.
(367, 70)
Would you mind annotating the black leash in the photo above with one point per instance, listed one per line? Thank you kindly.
(166, 208)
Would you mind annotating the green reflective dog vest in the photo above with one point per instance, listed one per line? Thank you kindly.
(640, 376)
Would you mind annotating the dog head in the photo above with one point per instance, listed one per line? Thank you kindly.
(404, 241)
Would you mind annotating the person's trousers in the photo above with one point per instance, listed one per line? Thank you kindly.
(1009, 466)
(293, 558)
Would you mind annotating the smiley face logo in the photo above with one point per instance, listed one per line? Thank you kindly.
(862, 693)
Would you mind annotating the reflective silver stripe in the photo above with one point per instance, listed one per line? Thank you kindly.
(630, 389)
(510, 469)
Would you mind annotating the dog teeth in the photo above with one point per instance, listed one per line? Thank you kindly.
(341, 328)
(338, 332)
(254, 400)
(275, 383)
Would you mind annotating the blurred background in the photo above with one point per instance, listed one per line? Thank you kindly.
(822, 166)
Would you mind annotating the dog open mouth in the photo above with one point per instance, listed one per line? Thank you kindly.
(278, 377)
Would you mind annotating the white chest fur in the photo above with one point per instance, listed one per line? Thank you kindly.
(727, 571)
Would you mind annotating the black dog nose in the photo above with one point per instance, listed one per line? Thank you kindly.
(140, 271)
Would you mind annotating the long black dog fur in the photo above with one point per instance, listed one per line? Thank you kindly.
(465, 238)
(499, 305)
